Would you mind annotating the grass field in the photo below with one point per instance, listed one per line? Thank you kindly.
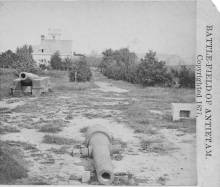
(6, 81)
(155, 148)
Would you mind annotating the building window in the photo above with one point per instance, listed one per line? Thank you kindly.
(184, 113)
(42, 50)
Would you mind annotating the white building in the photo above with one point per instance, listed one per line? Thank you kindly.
(48, 46)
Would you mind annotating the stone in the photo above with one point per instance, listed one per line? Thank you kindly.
(75, 177)
(183, 111)
(86, 176)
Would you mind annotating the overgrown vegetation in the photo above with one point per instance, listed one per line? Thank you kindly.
(56, 61)
(11, 165)
(149, 71)
(185, 76)
(142, 120)
(12, 63)
(60, 81)
(80, 71)
(119, 64)
(21, 60)
(6, 81)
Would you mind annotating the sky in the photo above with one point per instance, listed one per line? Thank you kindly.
(167, 27)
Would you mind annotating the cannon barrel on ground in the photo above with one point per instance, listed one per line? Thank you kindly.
(98, 141)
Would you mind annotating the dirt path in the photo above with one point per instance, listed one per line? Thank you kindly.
(49, 161)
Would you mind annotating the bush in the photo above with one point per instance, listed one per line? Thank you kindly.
(55, 60)
(151, 72)
(7, 59)
(6, 81)
(94, 60)
(119, 64)
(58, 64)
(122, 65)
(44, 67)
(186, 77)
(22, 60)
(80, 71)
(66, 64)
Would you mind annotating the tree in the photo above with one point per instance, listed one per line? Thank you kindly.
(25, 61)
(186, 77)
(80, 71)
(7, 58)
(150, 71)
(119, 64)
(106, 60)
(55, 60)
(66, 64)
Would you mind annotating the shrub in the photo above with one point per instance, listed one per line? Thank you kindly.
(55, 60)
(44, 67)
(66, 64)
(183, 77)
(122, 65)
(151, 72)
(186, 77)
(57, 63)
(80, 71)
(7, 59)
(25, 60)
(6, 81)
(119, 64)
(22, 60)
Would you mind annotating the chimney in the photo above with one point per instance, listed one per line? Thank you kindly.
(42, 37)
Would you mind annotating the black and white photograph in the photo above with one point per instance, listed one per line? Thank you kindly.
(98, 93)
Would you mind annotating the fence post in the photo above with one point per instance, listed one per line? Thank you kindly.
(75, 76)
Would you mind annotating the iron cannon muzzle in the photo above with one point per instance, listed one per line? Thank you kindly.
(24, 75)
(98, 141)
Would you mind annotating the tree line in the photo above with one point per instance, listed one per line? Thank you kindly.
(149, 71)
(119, 64)
(20, 60)
(79, 70)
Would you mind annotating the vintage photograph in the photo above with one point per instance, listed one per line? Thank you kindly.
(98, 93)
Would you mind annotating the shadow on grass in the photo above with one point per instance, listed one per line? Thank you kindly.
(61, 150)
(184, 125)
(143, 121)
(8, 129)
(69, 86)
(11, 164)
(50, 128)
(157, 146)
(52, 139)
